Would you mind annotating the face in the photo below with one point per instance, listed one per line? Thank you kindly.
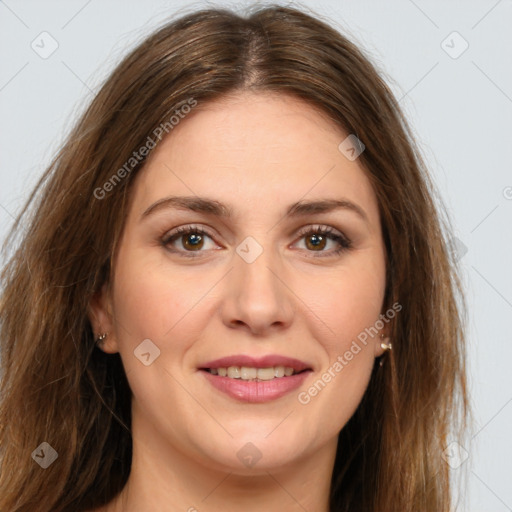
(252, 247)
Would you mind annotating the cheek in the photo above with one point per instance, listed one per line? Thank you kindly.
(349, 304)
(151, 302)
(347, 300)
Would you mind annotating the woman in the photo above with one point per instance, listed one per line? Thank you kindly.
(234, 289)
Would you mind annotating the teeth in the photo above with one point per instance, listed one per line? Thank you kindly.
(279, 371)
(266, 373)
(234, 372)
(248, 373)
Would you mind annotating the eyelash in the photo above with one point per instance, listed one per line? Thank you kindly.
(344, 243)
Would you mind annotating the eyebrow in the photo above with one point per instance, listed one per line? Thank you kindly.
(218, 209)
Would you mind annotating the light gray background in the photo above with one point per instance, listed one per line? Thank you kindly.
(460, 109)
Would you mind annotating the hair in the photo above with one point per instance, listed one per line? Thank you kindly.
(58, 386)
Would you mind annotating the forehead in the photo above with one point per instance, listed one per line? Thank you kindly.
(252, 149)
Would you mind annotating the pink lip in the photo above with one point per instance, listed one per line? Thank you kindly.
(256, 392)
(260, 362)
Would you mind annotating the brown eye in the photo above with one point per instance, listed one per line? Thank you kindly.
(323, 240)
(192, 241)
(316, 242)
(188, 239)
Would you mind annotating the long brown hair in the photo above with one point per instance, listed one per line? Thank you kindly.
(58, 387)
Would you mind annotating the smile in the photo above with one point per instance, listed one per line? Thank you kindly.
(255, 380)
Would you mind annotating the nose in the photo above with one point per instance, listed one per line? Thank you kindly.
(257, 298)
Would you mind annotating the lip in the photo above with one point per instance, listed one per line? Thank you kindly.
(252, 391)
(257, 362)
(256, 392)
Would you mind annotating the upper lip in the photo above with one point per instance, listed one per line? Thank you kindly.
(257, 362)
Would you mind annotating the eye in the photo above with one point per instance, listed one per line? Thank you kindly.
(317, 238)
(188, 239)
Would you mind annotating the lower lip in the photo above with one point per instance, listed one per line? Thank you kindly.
(256, 392)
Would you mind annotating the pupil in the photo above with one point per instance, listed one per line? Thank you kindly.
(316, 241)
(193, 241)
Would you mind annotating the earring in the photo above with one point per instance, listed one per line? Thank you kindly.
(386, 347)
(100, 338)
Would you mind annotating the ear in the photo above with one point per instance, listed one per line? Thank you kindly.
(102, 319)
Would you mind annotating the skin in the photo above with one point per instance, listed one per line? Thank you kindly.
(257, 154)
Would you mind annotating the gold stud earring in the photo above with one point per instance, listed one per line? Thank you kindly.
(100, 338)
(385, 347)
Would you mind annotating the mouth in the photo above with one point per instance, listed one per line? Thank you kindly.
(256, 380)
